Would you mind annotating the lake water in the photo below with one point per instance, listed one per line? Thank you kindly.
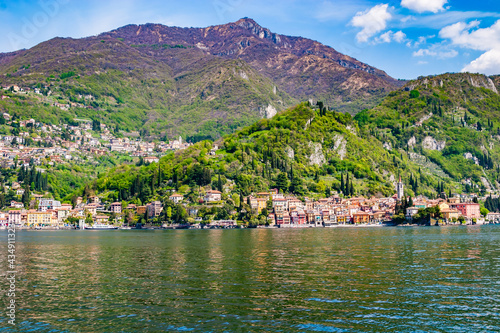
(426, 279)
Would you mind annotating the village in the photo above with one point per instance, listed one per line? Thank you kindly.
(280, 211)
(33, 143)
(40, 143)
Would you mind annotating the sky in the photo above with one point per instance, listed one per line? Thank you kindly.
(405, 38)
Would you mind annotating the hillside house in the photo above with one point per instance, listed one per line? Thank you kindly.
(154, 208)
(176, 198)
(116, 207)
(212, 196)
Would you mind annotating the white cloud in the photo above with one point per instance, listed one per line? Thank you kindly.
(441, 19)
(488, 63)
(385, 37)
(399, 36)
(481, 39)
(433, 51)
(390, 36)
(421, 6)
(424, 52)
(371, 21)
(422, 62)
(447, 54)
(408, 18)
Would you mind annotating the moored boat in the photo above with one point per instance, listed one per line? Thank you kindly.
(100, 226)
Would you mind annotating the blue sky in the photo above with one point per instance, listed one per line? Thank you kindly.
(405, 38)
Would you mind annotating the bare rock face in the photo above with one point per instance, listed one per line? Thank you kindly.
(290, 152)
(269, 112)
(469, 156)
(317, 157)
(412, 142)
(486, 184)
(483, 81)
(243, 75)
(351, 129)
(339, 145)
(432, 144)
(308, 123)
(387, 145)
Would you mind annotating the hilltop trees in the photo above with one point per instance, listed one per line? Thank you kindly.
(36, 179)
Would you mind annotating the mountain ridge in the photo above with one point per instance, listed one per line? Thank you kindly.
(309, 65)
(203, 82)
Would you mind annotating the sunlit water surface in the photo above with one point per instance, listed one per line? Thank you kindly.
(310, 280)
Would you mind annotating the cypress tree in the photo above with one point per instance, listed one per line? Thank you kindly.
(219, 184)
(342, 183)
(159, 174)
(347, 189)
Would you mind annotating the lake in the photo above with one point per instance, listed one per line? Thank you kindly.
(387, 279)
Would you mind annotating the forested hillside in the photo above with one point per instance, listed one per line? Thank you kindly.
(195, 82)
(304, 151)
(448, 122)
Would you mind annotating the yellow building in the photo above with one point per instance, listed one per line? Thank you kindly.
(449, 214)
(37, 219)
(261, 204)
(263, 195)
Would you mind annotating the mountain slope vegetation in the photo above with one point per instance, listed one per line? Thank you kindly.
(303, 151)
(451, 120)
(195, 82)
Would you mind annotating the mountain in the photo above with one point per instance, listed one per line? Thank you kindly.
(448, 122)
(198, 82)
(303, 68)
(304, 151)
(440, 134)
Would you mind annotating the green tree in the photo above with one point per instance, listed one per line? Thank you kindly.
(342, 185)
(236, 200)
(26, 196)
(282, 181)
(219, 183)
(168, 213)
(484, 211)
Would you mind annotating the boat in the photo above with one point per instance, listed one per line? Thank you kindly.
(100, 226)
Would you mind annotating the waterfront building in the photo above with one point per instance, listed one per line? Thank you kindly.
(46, 204)
(493, 217)
(468, 210)
(141, 210)
(361, 218)
(101, 219)
(154, 208)
(411, 211)
(116, 207)
(14, 217)
(37, 218)
(450, 214)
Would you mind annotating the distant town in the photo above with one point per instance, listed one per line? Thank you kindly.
(279, 211)
(32, 143)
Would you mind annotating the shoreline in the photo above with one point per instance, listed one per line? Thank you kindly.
(293, 227)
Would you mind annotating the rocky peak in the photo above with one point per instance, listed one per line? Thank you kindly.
(252, 26)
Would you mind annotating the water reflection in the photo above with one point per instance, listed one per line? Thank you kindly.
(332, 280)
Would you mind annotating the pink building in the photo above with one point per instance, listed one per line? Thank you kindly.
(116, 207)
(469, 210)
